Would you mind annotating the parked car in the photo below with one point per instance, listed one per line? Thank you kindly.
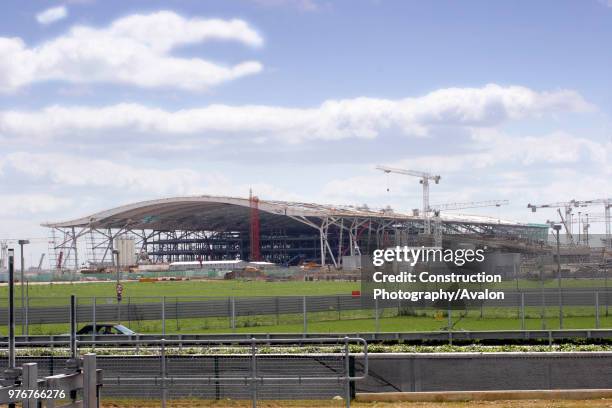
(105, 329)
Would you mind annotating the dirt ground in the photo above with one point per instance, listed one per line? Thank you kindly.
(601, 403)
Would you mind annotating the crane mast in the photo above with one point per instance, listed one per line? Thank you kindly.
(424, 180)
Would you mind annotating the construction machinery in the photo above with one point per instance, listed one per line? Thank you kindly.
(425, 178)
(40, 262)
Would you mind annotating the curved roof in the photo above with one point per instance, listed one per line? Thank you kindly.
(219, 213)
(213, 213)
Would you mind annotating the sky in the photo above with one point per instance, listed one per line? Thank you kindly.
(104, 103)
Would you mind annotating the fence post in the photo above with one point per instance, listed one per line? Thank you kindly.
(543, 305)
(176, 313)
(233, 304)
(27, 307)
(277, 308)
(93, 318)
(560, 309)
(217, 387)
(305, 315)
(607, 293)
(597, 310)
(347, 372)
(90, 381)
(376, 315)
(481, 305)
(30, 382)
(399, 307)
(522, 310)
(73, 350)
(163, 372)
(163, 315)
(253, 373)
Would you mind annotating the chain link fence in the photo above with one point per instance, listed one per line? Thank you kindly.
(528, 309)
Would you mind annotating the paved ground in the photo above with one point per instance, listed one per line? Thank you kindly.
(602, 403)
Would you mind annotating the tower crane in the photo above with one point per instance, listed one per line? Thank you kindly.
(458, 206)
(568, 206)
(425, 178)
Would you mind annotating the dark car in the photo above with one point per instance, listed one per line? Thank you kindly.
(105, 329)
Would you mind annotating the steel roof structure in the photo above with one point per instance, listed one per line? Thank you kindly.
(229, 213)
(200, 217)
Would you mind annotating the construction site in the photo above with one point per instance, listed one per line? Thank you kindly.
(222, 234)
(260, 274)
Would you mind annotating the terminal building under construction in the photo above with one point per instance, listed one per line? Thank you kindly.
(207, 228)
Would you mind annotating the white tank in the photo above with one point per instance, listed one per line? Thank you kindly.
(127, 251)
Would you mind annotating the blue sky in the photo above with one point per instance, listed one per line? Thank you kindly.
(107, 102)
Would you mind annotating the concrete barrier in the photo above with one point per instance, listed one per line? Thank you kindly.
(450, 396)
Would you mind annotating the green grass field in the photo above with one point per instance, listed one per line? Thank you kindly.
(242, 288)
(489, 318)
(363, 321)
(187, 288)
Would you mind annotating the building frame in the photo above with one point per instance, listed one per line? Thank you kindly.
(218, 227)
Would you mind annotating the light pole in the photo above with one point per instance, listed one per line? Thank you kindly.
(21, 243)
(557, 228)
(579, 228)
(118, 287)
(11, 374)
(605, 265)
(11, 317)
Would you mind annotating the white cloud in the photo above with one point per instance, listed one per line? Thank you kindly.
(69, 171)
(52, 15)
(133, 50)
(492, 148)
(73, 171)
(332, 120)
(558, 152)
(18, 204)
(556, 147)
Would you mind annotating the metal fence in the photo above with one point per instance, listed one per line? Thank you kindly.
(77, 387)
(248, 369)
(430, 372)
(519, 310)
